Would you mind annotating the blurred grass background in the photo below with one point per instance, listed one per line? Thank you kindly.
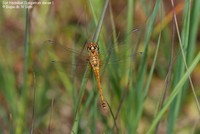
(37, 98)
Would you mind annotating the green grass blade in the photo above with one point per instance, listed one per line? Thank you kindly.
(175, 106)
(77, 105)
(194, 22)
(195, 13)
(174, 93)
(143, 67)
(21, 125)
(181, 66)
(130, 11)
(99, 25)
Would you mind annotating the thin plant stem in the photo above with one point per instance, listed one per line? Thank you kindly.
(169, 68)
(185, 62)
(99, 25)
(33, 109)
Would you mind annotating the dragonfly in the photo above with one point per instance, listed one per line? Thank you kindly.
(93, 57)
(94, 60)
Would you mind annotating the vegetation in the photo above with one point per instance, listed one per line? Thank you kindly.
(150, 67)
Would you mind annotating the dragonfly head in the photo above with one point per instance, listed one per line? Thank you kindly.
(92, 47)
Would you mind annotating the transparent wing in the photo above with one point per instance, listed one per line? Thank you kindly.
(64, 53)
(66, 59)
(120, 51)
(75, 60)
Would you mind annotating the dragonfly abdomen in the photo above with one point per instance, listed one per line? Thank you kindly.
(96, 72)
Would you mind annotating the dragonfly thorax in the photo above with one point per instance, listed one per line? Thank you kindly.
(93, 51)
(94, 61)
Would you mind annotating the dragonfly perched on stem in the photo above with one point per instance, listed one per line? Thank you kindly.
(70, 59)
(95, 57)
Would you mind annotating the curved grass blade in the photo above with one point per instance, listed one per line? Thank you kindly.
(174, 93)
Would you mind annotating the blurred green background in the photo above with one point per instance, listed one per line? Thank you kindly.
(38, 97)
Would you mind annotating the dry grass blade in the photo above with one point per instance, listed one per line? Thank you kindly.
(185, 62)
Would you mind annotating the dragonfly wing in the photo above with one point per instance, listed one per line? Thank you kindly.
(71, 70)
(121, 56)
(65, 59)
(64, 52)
(119, 50)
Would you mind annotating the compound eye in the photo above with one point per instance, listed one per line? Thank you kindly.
(88, 49)
(96, 47)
